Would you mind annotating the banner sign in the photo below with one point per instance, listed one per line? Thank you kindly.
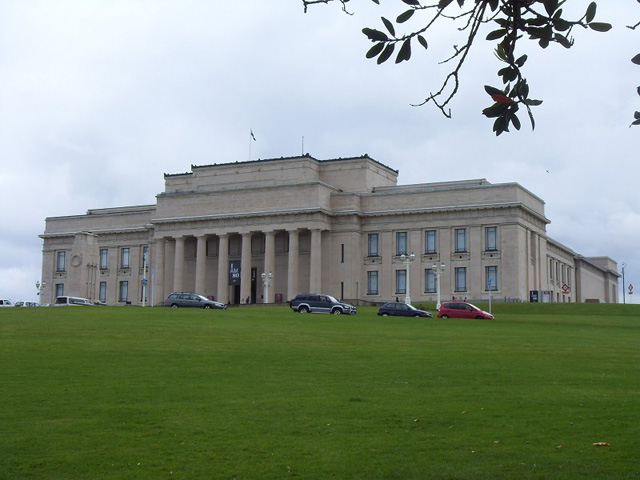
(234, 273)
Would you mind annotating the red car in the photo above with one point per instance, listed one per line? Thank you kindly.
(462, 310)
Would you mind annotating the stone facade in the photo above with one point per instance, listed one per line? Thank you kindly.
(333, 226)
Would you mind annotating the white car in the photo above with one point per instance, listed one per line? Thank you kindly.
(73, 301)
(6, 303)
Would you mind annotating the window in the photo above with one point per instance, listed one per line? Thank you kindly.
(430, 241)
(491, 238)
(551, 268)
(104, 258)
(124, 291)
(372, 283)
(373, 250)
(59, 289)
(461, 240)
(342, 253)
(145, 254)
(125, 258)
(257, 245)
(429, 280)
(61, 262)
(461, 279)
(491, 274)
(103, 292)
(401, 281)
(401, 243)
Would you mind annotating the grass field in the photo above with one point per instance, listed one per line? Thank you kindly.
(263, 393)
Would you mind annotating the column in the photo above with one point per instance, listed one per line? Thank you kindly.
(178, 266)
(292, 271)
(157, 294)
(245, 269)
(315, 268)
(201, 264)
(270, 262)
(223, 268)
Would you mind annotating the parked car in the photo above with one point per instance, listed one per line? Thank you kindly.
(191, 300)
(399, 309)
(6, 303)
(320, 303)
(462, 310)
(72, 302)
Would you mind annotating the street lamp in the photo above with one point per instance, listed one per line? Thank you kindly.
(40, 287)
(266, 283)
(438, 270)
(407, 260)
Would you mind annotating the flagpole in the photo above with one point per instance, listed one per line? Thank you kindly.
(249, 145)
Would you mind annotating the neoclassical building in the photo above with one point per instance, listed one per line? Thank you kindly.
(338, 226)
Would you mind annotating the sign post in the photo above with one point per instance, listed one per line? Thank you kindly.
(489, 284)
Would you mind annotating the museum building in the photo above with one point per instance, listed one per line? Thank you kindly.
(342, 227)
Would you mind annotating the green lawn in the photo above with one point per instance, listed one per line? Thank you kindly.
(263, 393)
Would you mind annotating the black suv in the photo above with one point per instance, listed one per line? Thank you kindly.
(193, 300)
(319, 303)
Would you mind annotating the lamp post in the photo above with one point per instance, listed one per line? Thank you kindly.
(40, 287)
(624, 294)
(438, 270)
(407, 260)
(266, 283)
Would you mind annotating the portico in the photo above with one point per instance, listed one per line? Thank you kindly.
(205, 263)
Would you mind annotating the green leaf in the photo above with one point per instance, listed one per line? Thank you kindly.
(405, 51)
(493, 91)
(637, 122)
(386, 53)
(564, 41)
(521, 60)
(496, 34)
(636, 59)
(389, 26)
(550, 6)
(516, 122)
(600, 27)
(495, 110)
(423, 42)
(375, 35)
(591, 12)
(532, 103)
(412, 2)
(636, 115)
(403, 17)
(375, 50)
(561, 24)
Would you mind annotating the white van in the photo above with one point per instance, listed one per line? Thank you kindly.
(72, 302)
(6, 303)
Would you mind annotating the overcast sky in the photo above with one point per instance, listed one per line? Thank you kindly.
(99, 98)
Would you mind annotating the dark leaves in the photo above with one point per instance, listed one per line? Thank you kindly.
(405, 51)
(636, 59)
(389, 26)
(600, 27)
(386, 53)
(403, 17)
(375, 50)
(375, 35)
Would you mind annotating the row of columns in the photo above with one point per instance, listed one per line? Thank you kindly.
(315, 271)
